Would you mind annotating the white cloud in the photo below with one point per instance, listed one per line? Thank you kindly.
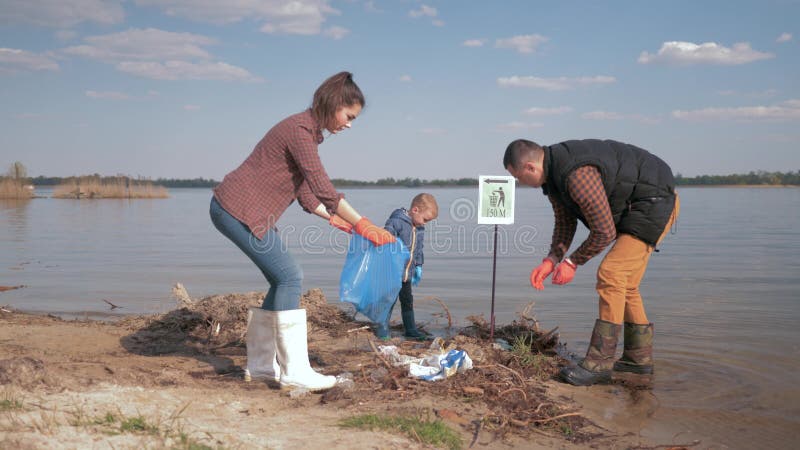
(524, 43)
(304, 17)
(61, 13)
(433, 131)
(336, 32)
(108, 95)
(427, 11)
(553, 84)
(784, 37)
(185, 70)
(474, 42)
(519, 126)
(536, 111)
(14, 60)
(405, 78)
(424, 10)
(143, 44)
(191, 107)
(788, 110)
(687, 53)
(161, 55)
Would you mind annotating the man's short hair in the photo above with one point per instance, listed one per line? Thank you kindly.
(426, 202)
(521, 151)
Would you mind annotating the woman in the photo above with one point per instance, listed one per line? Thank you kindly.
(285, 166)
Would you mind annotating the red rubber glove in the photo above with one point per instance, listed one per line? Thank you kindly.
(565, 272)
(541, 272)
(377, 235)
(340, 223)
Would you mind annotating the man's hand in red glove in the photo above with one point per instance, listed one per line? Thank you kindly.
(541, 272)
(565, 272)
(340, 223)
(377, 235)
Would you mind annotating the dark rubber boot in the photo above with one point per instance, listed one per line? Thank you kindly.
(596, 367)
(382, 331)
(636, 364)
(410, 326)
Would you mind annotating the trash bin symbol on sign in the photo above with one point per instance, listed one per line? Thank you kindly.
(496, 199)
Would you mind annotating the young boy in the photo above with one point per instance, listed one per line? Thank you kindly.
(409, 226)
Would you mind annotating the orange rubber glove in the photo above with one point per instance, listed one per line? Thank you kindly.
(541, 272)
(565, 272)
(377, 235)
(341, 224)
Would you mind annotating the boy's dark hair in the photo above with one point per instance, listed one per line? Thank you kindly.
(337, 91)
(521, 151)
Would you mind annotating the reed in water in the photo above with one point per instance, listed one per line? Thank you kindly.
(116, 187)
(15, 183)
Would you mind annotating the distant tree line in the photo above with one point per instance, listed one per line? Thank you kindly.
(208, 182)
(186, 183)
(753, 178)
(405, 182)
(166, 182)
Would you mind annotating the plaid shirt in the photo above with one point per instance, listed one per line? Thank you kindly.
(585, 187)
(284, 166)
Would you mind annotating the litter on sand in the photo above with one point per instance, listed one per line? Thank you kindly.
(435, 365)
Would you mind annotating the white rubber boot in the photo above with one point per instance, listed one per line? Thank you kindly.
(292, 347)
(262, 363)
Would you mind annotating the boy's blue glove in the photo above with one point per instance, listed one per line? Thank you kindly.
(417, 276)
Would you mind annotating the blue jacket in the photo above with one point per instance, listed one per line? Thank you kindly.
(399, 224)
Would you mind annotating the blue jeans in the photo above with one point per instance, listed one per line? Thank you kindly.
(285, 277)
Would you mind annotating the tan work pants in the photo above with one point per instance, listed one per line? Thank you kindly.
(620, 274)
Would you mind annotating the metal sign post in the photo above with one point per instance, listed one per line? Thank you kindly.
(495, 206)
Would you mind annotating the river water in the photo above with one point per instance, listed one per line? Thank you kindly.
(723, 292)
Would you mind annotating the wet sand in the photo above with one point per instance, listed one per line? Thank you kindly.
(68, 384)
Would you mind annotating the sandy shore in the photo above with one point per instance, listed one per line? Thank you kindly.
(173, 381)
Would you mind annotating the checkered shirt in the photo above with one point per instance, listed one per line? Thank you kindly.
(284, 166)
(585, 187)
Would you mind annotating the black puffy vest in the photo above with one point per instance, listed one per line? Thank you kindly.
(639, 185)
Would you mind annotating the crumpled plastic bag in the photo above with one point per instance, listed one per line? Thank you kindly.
(372, 276)
(432, 367)
(439, 367)
(396, 358)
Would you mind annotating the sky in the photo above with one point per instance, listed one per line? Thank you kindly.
(186, 88)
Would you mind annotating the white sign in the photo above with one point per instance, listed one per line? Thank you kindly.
(496, 199)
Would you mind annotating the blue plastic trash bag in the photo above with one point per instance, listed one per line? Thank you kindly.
(372, 277)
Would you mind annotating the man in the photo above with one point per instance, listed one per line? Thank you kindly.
(620, 192)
